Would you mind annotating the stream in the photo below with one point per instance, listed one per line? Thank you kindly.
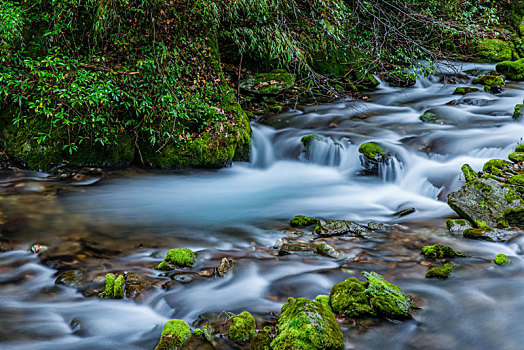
(127, 221)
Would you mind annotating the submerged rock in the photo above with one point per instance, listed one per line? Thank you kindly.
(301, 221)
(513, 70)
(225, 266)
(488, 203)
(349, 298)
(243, 327)
(404, 212)
(71, 278)
(328, 250)
(340, 227)
(438, 251)
(179, 257)
(431, 118)
(307, 325)
(297, 248)
(501, 259)
(174, 335)
(440, 271)
(387, 299)
(136, 284)
(518, 113)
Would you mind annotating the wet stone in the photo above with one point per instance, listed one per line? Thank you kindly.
(72, 278)
(296, 248)
(340, 227)
(225, 266)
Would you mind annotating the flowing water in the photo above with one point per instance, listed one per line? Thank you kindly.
(128, 221)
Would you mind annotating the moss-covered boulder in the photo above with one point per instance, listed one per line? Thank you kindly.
(307, 140)
(438, 251)
(349, 298)
(464, 90)
(301, 221)
(372, 155)
(371, 150)
(387, 299)
(492, 83)
(518, 183)
(469, 173)
(512, 70)
(340, 227)
(501, 259)
(174, 335)
(272, 83)
(179, 257)
(520, 148)
(440, 271)
(488, 203)
(307, 325)
(495, 166)
(262, 341)
(243, 327)
(495, 50)
(518, 113)
(516, 157)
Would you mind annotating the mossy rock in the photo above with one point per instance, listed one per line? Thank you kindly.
(519, 148)
(340, 227)
(243, 327)
(495, 50)
(457, 225)
(328, 250)
(495, 166)
(307, 325)
(518, 113)
(387, 299)
(501, 259)
(516, 157)
(492, 83)
(371, 150)
(440, 271)
(179, 257)
(431, 118)
(349, 298)
(308, 140)
(512, 70)
(477, 233)
(262, 341)
(175, 334)
(301, 221)
(272, 83)
(518, 181)
(469, 173)
(438, 251)
(464, 90)
(488, 203)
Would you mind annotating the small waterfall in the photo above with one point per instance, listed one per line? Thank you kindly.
(262, 152)
(389, 170)
(341, 154)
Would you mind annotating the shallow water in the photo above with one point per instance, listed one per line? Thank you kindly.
(131, 218)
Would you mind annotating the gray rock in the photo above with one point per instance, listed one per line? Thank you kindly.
(340, 227)
(328, 250)
(297, 248)
(487, 202)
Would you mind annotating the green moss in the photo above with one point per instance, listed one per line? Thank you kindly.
(174, 335)
(513, 70)
(495, 50)
(371, 150)
(501, 259)
(119, 287)
(516, 157)
(518, 114)
(262, 341)
(517, 180)
(349, 298)
(198, 332)
(438, 251)
(301, 221)
(464, 90)
(450, 223)
(308, 139)
(109, 287)
(324, 299)
(440, 271)
(469, 173)
(385, 298)
(243, 327)
(490, 81)
(179, 257)
(494, 166)
(476, 233)
(307, 325)
(519, 148)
